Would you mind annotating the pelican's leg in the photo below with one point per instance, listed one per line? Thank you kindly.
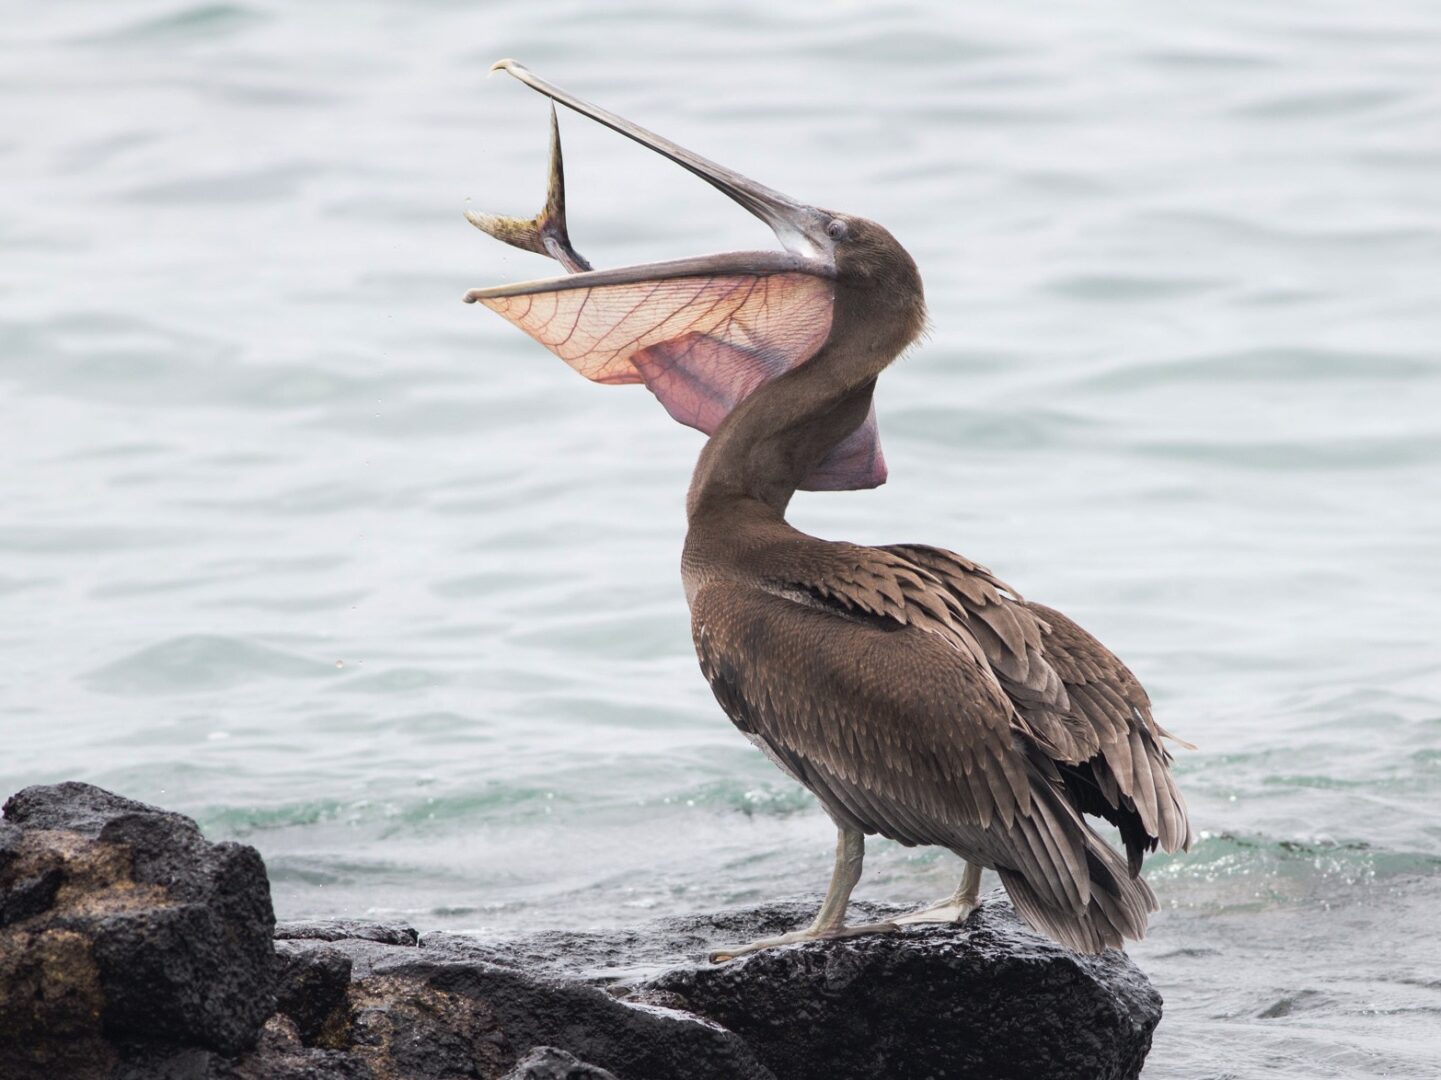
(953, 909)
(830, 921)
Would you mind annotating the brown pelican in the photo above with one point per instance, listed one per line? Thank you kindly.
(914, 692)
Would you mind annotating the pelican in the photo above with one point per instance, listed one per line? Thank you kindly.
(917, 695)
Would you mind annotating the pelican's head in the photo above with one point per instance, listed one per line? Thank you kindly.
(703, 333)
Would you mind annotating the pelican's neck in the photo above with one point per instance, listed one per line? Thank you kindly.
(778, 435)
(774, 439)
(764, 450)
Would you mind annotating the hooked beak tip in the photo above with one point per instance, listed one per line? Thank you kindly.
(506, 64)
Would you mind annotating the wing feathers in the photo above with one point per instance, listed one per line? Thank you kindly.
(921, 699)
(1074, 696)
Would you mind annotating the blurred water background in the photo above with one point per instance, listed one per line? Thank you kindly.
(294, 542)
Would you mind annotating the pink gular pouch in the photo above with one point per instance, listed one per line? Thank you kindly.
(701, 344)
(701, 334)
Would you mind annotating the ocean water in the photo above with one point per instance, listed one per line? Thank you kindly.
(293, 541)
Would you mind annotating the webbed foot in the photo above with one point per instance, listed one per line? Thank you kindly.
(946, 911)
(810, 933)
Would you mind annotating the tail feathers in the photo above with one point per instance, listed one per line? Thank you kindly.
(1117, 909)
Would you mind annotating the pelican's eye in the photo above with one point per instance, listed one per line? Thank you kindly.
(837, 229)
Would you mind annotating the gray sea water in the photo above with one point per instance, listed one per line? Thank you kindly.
(293, 541)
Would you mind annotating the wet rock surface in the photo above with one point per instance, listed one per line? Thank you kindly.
(992, 999)
(989, 999)
(453, 1010)
(132, 948)
(548, 1063)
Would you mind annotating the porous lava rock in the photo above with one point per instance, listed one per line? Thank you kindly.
(548, 1063)
(133, 949)
(120, 923)
(992, 999)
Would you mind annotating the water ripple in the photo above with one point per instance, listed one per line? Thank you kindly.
(297, 542)
(200, 662)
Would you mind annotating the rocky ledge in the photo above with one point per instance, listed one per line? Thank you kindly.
(130, 948)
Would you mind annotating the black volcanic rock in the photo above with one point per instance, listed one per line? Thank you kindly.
(414, 1011)
(341, 929)
(119, 922)
(991, 999)
(133, 949)
(548, 1063)
(310, 984)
